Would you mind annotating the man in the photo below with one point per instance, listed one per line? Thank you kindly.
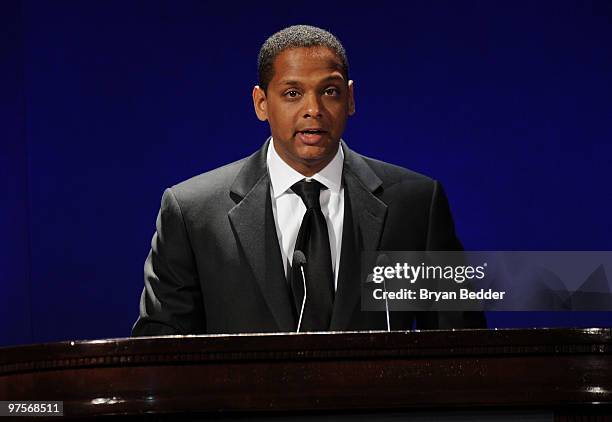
(224, 260)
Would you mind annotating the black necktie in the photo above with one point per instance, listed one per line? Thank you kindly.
(313, 241)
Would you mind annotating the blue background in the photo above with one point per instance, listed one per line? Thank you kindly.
(105, 103)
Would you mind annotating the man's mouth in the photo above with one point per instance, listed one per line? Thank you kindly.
(310, 136)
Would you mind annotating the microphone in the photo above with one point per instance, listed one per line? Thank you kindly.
(300, 259)
(383, 261)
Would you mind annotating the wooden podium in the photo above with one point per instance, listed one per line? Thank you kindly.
(538, 374)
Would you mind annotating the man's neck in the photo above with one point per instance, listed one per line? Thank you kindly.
(308, 169)
(282, 175)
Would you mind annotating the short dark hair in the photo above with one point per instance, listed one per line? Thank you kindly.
(294, 37)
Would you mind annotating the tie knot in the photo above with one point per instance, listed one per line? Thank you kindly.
(309, 192)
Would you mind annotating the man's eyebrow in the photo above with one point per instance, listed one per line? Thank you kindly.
(324, 80)
(290, 82)
(334, 78)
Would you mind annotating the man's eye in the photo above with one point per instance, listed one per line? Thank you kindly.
(292, 93)
(332, 92)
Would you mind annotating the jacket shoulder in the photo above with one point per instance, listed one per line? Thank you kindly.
(391, 174)
(208, 184)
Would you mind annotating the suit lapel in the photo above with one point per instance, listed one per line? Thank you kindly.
(361, 232)
(256, 234)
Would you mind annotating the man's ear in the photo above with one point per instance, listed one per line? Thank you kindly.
(351, 98)
(260, 103)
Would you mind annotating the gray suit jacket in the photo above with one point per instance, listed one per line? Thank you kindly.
(215, 264)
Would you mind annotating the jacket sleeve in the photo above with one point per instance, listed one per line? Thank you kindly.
(171, 301)
(441, 229)
(441, 237)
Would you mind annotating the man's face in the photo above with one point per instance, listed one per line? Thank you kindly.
(306, 104)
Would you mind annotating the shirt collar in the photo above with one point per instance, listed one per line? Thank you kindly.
(283, 176)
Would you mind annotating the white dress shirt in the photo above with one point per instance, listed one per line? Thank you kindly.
(289, 209)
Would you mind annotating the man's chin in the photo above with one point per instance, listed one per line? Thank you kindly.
(315, 158)
(316, 162)
(308, 159)
(316, 151)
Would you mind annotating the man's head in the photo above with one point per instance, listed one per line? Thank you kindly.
(294, 37)
(304, 94)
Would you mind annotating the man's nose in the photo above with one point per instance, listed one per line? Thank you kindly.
(312, 106)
